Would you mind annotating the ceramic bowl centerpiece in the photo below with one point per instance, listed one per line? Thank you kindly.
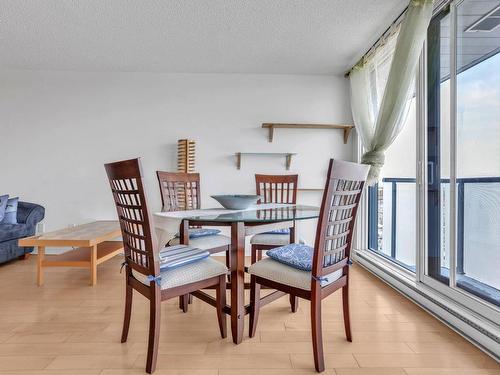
(236, 201)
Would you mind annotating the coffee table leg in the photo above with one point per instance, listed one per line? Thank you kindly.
(93, 265)
(237, 281)
(41, 256)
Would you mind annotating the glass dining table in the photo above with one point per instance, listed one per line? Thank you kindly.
(245, 223)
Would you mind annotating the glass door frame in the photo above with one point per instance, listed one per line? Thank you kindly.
(450, 289)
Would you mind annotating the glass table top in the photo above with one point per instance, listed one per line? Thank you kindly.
(262, 215)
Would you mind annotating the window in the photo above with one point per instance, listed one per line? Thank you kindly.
(392, 202)
(436, 210)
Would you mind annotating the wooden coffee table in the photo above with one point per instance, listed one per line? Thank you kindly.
(92, 243)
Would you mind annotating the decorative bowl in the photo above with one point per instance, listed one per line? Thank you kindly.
(236, 202)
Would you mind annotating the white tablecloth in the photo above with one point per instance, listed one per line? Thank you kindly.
(167, 223)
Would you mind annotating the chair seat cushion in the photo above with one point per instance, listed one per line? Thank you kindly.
(187, 274)
(200, 232)
(13, 231)
(278, 272)
(179, 255)
(270, 239)
(295, 255)
(205, 243)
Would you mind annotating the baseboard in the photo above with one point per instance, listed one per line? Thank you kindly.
(467, 324)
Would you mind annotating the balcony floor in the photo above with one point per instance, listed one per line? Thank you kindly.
(67, 327)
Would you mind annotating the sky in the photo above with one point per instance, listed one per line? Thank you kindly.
(478, 119)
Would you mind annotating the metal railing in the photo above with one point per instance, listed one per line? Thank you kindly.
(373, 233)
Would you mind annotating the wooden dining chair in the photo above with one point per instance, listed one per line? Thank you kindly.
(275, 189)
(181, 191)
(143, 272)
(315, 273)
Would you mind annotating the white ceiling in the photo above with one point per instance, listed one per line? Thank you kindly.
(191, 36)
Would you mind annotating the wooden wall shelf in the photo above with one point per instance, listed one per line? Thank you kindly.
(287, 155)
(271, 126)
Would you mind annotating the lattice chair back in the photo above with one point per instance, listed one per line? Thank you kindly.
(343, 190)
(179, 190)
(277, 188)
(125, 179)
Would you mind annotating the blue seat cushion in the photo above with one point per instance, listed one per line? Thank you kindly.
(295, 255)
(200, 232)
(179, 255)
(279, 231)
(3, 205)
(10, 215)
(13, 231)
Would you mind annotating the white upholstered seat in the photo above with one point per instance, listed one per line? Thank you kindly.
(206, 242)
(270, 239)
(278, 272)
(190, 273)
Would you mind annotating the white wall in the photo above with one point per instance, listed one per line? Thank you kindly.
(59, 128)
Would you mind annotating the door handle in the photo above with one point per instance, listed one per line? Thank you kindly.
(430, 173)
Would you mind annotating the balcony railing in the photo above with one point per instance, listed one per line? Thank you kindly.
(466, 187)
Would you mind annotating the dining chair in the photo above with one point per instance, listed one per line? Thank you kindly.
(275, 189)
(315, 273)
(144, 272)
(181, 191)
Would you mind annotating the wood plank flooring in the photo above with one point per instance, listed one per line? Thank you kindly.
(67, 327)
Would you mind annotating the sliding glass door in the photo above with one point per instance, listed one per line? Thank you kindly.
(478, 148)
(436, 209)
(463, 149)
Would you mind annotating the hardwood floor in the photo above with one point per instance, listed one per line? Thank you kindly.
(67, 327)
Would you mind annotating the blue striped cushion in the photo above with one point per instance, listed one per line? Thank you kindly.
(200, 232)
(176, 256)
(295, 255)
(279, 231)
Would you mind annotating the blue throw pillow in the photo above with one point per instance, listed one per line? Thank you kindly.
(279, 231)
(3, 205)
(295, 255)
(200, 232)
(10, 216)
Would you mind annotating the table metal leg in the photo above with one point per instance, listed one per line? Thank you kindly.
(237, 280)
(41, 257)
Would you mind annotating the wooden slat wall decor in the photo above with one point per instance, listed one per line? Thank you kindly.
(186, 155)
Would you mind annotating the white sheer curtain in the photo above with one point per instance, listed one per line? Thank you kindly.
(380, 95)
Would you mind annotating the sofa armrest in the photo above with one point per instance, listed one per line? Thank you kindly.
(30, 213)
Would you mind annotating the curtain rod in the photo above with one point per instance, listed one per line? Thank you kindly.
(380, 41)
(438, 6)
